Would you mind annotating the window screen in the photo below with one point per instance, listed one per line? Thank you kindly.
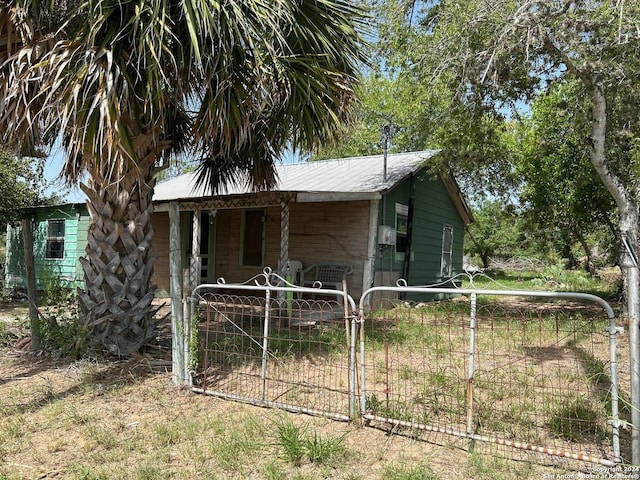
(253, 238)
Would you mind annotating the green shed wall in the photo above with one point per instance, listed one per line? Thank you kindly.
(68, 269)
(433, 209)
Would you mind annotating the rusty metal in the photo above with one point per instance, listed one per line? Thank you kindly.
(470, 424)
(278, 350)
(297, 380)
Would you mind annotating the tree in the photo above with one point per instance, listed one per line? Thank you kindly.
(497, 230)
(127, 84)
(494, 54)
(561, 191)
(21, 186)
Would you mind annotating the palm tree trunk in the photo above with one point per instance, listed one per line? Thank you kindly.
(116, 304)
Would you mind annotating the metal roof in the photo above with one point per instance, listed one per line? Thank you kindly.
(340, 179)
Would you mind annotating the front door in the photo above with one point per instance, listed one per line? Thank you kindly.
(207, 247)
(207, 244)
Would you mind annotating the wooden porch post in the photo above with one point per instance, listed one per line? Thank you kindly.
(177, 317)
(32, 292)
(283, 263)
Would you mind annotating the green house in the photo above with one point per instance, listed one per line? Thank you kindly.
(383, 218)
(59, 239)
(427, 217)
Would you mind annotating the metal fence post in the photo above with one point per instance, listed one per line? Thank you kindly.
(613, 331)
(472, 346)
(352, 366)
(265, 343)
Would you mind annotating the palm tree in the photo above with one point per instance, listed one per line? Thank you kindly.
(124, 85)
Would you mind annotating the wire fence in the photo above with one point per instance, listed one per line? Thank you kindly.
(278, 349)
(529, 372)
(496, 368)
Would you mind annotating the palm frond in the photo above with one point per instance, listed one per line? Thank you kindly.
(257, 76)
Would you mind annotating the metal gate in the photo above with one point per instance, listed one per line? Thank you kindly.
(531, 371)
(264, 342)
(535, 376)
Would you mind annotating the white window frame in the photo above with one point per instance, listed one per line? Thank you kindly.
(55, 238)
(401, 211)
(446, 260)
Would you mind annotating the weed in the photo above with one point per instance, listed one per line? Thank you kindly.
(149, 471)
(273, 471)
(482, 467)
(574, 418)
(298, 444)
(235, 440)
(322, 450)
(62, 331)
(100, 436)
(413, 472)
(194, 359)
(290, 440)
(80, 471)
(5, 338)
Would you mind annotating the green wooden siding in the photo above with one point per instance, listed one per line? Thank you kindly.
(433, 210)
(67, 269)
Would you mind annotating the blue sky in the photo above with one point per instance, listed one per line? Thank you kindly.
(55, 161)
(52, 169)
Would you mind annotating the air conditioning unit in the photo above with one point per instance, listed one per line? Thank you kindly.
(386, 235)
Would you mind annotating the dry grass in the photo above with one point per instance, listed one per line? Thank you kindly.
(93, 420)
(126, 420)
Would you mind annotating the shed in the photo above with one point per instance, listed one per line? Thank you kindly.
(59, 239)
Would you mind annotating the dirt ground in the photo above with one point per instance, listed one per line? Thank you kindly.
(126, 419)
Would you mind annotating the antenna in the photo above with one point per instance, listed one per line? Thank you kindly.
(387, 131)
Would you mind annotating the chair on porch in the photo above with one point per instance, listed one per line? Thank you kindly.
(328, 274)
(294, 269)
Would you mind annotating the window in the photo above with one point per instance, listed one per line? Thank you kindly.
(252, 238)
(447, 249)
(402, 220)
(55, 239)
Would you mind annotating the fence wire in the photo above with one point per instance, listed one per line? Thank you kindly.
(508, 371)
(285, 352)
(529, 373)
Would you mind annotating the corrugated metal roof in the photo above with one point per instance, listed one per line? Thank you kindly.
(356, 175)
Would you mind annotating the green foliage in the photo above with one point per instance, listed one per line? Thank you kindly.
(557, 277)
(561, 191)
(21, 186)
(409, 472)
(64, 335)
(297, 444)
(194, 345)
(512, 119)
(54, 290)
(60, 327)
(498, 230)
(574, 419)
(5, 339)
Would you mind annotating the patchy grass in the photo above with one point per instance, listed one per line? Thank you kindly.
(124, 420)
(554, 277)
